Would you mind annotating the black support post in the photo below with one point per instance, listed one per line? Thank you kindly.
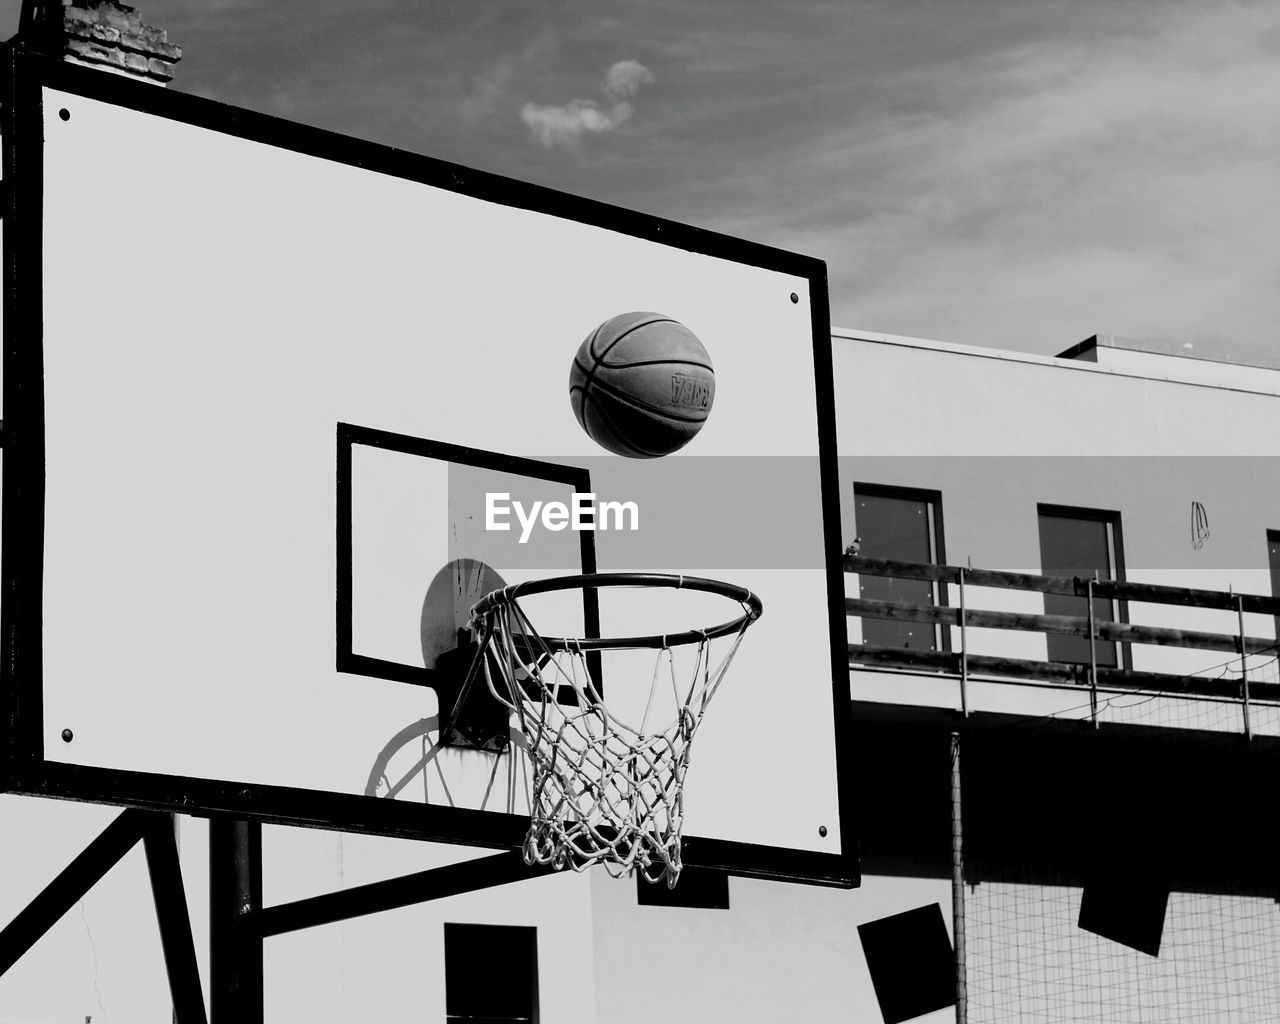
(235, 895)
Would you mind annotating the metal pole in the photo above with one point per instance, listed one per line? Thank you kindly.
(964, 655)
(957, 885)
(235, 894)
(1244, 668)
(1093, 658)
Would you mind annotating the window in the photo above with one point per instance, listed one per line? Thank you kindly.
(699, 888)
(1273, 554)
(470, 992)
(904, 524)
(1086, 543)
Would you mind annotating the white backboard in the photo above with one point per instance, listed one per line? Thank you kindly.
(275, 369)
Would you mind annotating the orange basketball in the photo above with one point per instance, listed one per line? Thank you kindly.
(642, 385)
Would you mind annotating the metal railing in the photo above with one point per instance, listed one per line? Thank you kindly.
(965, 663)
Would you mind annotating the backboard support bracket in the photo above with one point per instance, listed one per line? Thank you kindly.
(390, 894)
(155, 831)
(476, 720)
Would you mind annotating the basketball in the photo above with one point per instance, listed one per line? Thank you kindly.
(642, 385)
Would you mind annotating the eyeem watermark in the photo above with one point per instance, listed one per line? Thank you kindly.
(583, 513)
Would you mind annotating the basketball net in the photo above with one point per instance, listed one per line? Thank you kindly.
(604, 791)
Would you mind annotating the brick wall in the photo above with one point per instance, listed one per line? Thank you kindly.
(112, 36)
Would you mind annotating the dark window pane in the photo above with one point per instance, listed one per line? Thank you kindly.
(699, 888)
(901, 528)
(1077, 545)
(490, 973)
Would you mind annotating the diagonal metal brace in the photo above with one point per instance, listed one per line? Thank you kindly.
(405, 891)
(75, 880)
(174, 919)
(83, 873)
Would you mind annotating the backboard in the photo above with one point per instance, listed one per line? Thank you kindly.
(271, 394)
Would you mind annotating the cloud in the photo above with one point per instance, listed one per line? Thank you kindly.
(566, 124)
(625, 78)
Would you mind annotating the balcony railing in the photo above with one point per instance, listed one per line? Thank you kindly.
(964, 663)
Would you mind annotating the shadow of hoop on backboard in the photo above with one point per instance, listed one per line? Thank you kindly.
(413, 766)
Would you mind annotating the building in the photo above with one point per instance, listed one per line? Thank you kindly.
(1112, 464)
(1111, 753)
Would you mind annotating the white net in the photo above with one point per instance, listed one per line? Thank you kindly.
(605, 791)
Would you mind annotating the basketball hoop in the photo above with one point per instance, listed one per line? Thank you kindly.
(605, 791)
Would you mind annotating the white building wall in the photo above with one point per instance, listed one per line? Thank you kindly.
(390, 966)
(781, 952)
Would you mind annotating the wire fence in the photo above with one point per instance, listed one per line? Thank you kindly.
(1026, 957)
(1028, 960)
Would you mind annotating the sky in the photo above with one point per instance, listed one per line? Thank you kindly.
(1019, 174)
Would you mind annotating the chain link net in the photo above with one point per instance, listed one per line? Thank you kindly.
(605, 791)
(1027, 960)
